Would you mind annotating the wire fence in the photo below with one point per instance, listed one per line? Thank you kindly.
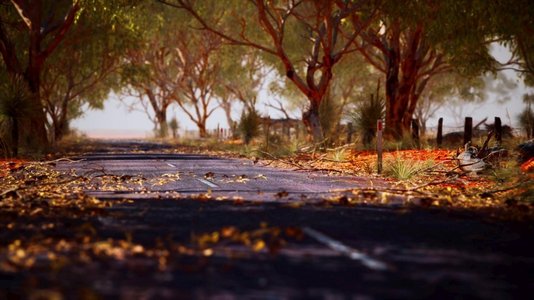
(344, 129)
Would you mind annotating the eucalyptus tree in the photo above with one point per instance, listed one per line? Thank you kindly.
(174, 65)
(305, 38)
(243, 73)
(195, 92)
(149, 77)
(510, 23)
(412, 43)
(30, 31)
(448, 89)
(83, 70)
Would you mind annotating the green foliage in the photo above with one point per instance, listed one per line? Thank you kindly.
(403, 169)
(366, 115)
(249, 125)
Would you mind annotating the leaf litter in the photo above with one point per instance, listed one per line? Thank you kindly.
(37, 199)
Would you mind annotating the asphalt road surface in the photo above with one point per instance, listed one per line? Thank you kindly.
(328, 252)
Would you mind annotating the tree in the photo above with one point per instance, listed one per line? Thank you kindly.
(80, 70)
(16, 108)
(45, 24)
(242, 75)
(195, 91)
(511, 24)
(318, 39)
(450, 89)
(400, 51)
(416, 41)
(149, 78)
(174, 65)
(150, 73)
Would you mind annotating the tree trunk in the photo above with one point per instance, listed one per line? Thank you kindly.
(61, 128)
(38, 134)
(161, 118)
(393, 114)
(227, 108)
(202, 129)
(60, 123)
(313, 123)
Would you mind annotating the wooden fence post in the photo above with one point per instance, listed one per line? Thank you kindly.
(468, 130)
(379, 128)
(439, 138)
(498, 130)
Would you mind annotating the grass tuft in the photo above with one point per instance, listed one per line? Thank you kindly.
(404, 169)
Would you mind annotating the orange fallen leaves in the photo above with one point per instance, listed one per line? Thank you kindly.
(7, 166)
(528, 166)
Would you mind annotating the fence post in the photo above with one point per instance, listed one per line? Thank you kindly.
(415, 132)
(379, 128)
(439, 138)
(498, 130)
(468, 130)
(349, 132)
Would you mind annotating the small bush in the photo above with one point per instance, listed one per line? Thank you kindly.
(249, 125)
(366, 115)
(404, 169)
(339, 155)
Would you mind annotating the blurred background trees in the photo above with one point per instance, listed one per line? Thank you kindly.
(321, 60)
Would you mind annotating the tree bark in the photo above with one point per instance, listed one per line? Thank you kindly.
(393, 115)
(312, 122)
(161, 118)
(38, 133)
(202, 130)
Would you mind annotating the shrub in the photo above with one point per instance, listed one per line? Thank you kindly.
(404, 169)
(249, 125)
(366, 115)
(339, 155)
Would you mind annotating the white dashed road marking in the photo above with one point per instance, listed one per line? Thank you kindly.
(352, 253)
(208, 183)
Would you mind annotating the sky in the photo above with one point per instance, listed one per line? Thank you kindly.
(118, 120)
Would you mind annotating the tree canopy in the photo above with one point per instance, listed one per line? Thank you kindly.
(327, 55)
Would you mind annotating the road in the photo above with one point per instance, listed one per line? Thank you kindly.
(290, 244)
